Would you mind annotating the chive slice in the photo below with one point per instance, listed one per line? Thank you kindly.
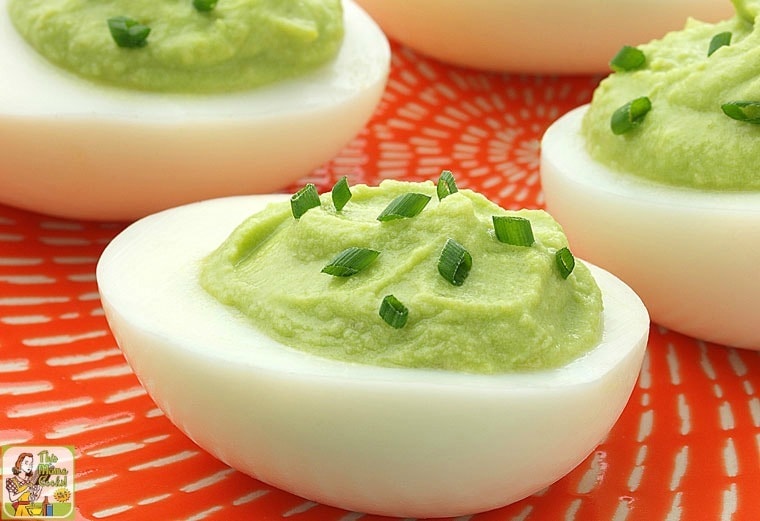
(393, 312)
(565, 262)
(627, 59)
(455, 262)
(513, 230)
(350, 261)
(127, 32)
(746, 111)
(341, 193)
(304, 200)
(404, 206)
(446, 185)
(718, 41)
(630, 115)
(204, 5)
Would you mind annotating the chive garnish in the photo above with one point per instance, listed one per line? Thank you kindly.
(127, 32)
(446, 185)
(404, 206)
(630, 115)
(454, 263)
(341, 193)
(304, 200)
(350, 261)
(746, 111)
(393, 312)
(204, 5)
(718, 41)
(513, 230)
(627, 59)
(565, 262)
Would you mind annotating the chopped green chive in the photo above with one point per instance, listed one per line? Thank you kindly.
(350, 261)
(627, 59)
(718, 41)
(341, 193)
(403, 206)
(446, 184)
(630, 115)
(746, 111)
(127, 32)
(304, 200)
(393, 312)
(454, 263)
(513, 230)
(204, 5)
(565, 262)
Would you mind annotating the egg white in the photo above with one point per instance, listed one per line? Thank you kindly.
(74, 148)
(389, 441)
(691, 255)
(537, 36)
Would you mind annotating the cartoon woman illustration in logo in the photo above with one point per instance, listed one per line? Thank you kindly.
(23, 488)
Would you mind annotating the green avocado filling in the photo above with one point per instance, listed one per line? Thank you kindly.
(684, 110)
(432, 288)
(182, 45)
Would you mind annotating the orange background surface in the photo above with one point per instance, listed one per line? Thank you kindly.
(686, 447)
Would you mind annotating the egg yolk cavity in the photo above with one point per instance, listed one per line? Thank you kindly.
(176, 46)
(460, 298)
(700, 128)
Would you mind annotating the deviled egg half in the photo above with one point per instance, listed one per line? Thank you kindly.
(541, 36)
(81, 148)
(416, 441)
(656, 179)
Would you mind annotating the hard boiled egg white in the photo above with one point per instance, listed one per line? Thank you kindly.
(692, 256)
(390, 441)
(73, 148)
(536, 36)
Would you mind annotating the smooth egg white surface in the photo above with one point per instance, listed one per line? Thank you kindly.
(536, 36)
(74, 148)
(692, 256)
(389, 441)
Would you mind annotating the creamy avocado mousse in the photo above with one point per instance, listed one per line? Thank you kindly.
(418, 275)
(684, 110)
(182, 45)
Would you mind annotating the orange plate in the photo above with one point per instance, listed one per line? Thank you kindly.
(686, 447)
